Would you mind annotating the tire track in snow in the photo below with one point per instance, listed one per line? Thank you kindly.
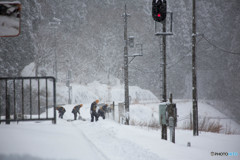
(118, 148)
(90, 142)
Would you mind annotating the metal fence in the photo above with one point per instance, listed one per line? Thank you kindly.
(27, 99)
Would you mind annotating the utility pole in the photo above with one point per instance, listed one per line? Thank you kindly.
(194, 74)
(55, 56)
(69, 77)
(54, 24)
(125, 15)
(109, 87)
(128, 41)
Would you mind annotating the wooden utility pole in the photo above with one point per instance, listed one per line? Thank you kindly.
(126, 66)
(194, 74)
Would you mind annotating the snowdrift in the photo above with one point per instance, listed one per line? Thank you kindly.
(87, 93)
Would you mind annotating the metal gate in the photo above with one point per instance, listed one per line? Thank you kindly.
(27, 99)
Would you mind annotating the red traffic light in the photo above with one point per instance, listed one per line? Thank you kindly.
(159, 10)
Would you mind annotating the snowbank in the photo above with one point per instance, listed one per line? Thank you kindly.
(105, 93)
(87, 93)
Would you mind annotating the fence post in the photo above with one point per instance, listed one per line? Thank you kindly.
(191, 123)
(8, 109)
(113, 111)
(172, 129)
(120, 112)
(54, 102)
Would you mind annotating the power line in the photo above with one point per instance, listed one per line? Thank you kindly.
(143, 71)
(223, 50)
(176, 62)
(188, 52)
(203, 37)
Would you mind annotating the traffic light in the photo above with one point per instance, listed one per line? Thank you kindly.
(159, 10)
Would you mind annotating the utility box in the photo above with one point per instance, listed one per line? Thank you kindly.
(167, 110)
(162, 113)
(171, 111)
(131, 41)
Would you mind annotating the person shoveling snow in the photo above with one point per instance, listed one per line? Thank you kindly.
(76, 110)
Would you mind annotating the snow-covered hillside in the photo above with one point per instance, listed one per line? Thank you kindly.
(87, 93)
(105, 93)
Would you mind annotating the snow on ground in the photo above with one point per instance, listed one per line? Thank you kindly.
(205, 110)
(106, 140)
(144, 104)
(109, 140)
(147, 113)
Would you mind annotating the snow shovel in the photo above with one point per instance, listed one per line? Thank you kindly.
(80, 118)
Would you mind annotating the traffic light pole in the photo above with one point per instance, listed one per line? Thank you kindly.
(164, 74)
(164, 44)
(163, 52)
(194, 74)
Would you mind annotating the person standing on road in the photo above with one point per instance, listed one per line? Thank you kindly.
(61, 110)
(93, 111)
(76, 110)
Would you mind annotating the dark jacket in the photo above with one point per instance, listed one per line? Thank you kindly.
(76, 109)
(104, 107)
(61, 109)
(93, 107)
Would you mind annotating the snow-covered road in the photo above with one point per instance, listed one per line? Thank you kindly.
(76, 140)
(106, 140)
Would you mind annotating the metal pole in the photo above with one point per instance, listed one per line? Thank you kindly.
(54, 101)
(126, 67)
(164, 81)
(194, 75)
(7, 109)
(113, 110)
(30, 87)
(1, 100)
(69, 87)
(38, 99)
(69, 100)
(53, 25)
(14, 101)
(22, 99)
(164, 92)
(46, 98)
(7, 114)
